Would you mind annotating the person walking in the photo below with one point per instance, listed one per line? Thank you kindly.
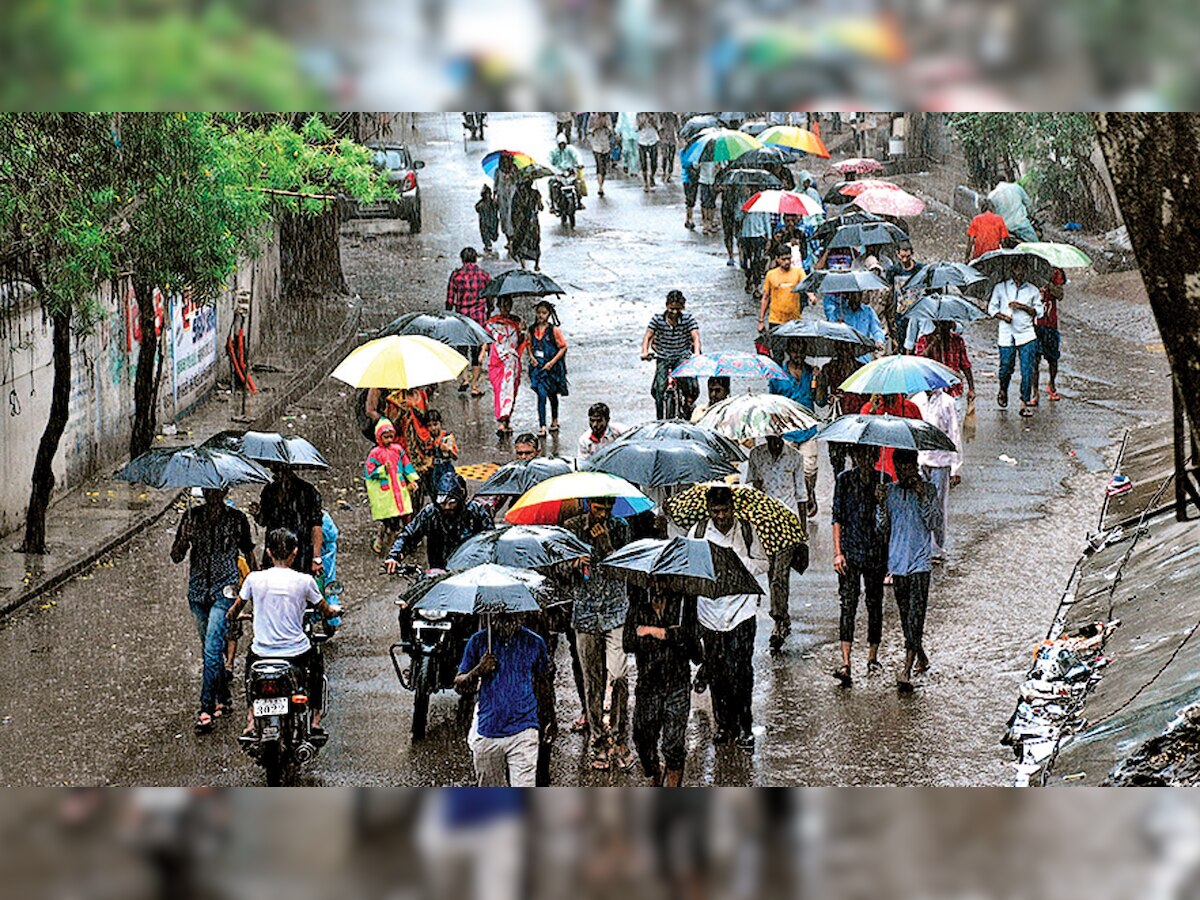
(859, 557)
(805, 386)
(672, 337)
(391, 482)
(1017, 304)
(909, 514)
(464, 295)
(647, 141)
(850, 309)
(689, 176)
(1049, 340)
(504, 362)
(601, 605)
(780, 303)
(527, 230)
(663, 634)
(833, 375)
(941, 468)
(899, 272)
(708, 195)
(488, 212)
(601, 135)
(948, 347)
(546, 352)
(986, 232)
(777, 469)
(506, 179)
(889, 405)
(668, 140)
(718, 390)
(753, 234)
(601, 432)
(214, 534)
(515, 709)
(627, 130)
(1013, 205)
(291, 502)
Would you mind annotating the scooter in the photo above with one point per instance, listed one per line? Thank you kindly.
(434, 642)
(566, 194)
(283, 741)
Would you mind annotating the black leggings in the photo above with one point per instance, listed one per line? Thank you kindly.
(312, 674)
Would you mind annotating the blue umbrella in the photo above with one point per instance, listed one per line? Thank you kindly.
(730, 364)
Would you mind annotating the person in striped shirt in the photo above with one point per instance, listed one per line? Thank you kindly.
(672, 337)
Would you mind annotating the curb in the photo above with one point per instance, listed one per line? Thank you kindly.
(301, 384)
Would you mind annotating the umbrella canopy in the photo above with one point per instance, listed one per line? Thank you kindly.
(828, 281)
(482, 590)
(935, 275)
(854, 188)
(720, 145)
(776, 526)
(521, 283)
(1065, 256)
(884, 202)
(290, 449)
(660, 463)
(783, 203)
(697, 124)
(998, 265)
(899, 375)
(945, 308)
(797, 140)
(687, 565)
(852, 216)
(886, 431)
(491, 162)
(679, 430)
(515, 478)
(754, 126)
(521, 546)
(730, 364)
(543, 503)
(753, 416)
(758, 178)
(534, 172)
(857, 165)
(400, 361)
(867, 234)
(821, 336)
(765, 156)
(193, 467)
(446, 326)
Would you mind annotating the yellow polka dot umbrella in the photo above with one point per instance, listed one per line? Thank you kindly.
(777, 526)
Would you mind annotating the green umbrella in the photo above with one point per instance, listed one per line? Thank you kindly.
(1064, 256)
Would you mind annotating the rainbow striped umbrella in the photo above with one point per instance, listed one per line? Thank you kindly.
(899, 375)
(546, 503)
(719, 145)
(491, 162)
(791, 137)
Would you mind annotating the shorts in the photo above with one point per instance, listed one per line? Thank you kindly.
(1049, 343)
(708, 196)
(689, 193)
(603, 162)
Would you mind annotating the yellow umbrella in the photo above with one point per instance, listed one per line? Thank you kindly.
(400, 361)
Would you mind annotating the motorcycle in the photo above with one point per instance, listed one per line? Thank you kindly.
(564, 190)
(473, 126)
(283, 740)
(434, 642)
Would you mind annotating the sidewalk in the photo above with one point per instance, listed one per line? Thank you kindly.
(85, 525)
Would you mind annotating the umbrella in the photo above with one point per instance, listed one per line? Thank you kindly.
(821, 336)
(867, 234)
(886, 431)
(858, 165)
(1065, 256)
(290, 450)
(797, 140)
(765, 156)
(192, 467)
(697, 124)
(720, 145)
(446, 326)
(678, 430)
(659, 463)
(899, 375)
(758, 178)
(943, 274)
(491, 162)
(534, 172)
(400, 361)
(686, 565)
(753, 416)
(884, 202)
(730, 364)
(853, 216)
(515, 478)
(945, 308)
(783, 203)
(543, 503)
(731, 118)
(522, 546)
(854, 188)
(483, 590)
(755, 127)
(828, 281)
(521, 283)
(997, 265)
(776, 526)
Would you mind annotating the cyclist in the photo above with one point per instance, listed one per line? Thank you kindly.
(672, 337)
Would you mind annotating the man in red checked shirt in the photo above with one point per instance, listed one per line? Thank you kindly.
(464, 295)
(1048, 338)
(946, 346)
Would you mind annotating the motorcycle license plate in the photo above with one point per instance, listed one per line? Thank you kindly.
(277, 706)
(439, 626)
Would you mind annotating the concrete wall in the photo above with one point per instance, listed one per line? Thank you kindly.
(102, 371)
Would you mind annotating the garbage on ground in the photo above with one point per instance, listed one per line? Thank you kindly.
(1005, 458)
(1119, 484)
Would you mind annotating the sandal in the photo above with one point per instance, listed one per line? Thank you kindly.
(554, 428)
(1053, 395)
(579, 726)
(904, 687)
(874, 667)
(599, 761)
(1002, 400)
(205, 723)
(542, 431)
(476, 393)
(623, 757)
(842, 674)
(1026, 412)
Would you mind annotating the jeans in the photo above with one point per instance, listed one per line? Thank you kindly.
(729, 668)
(912, 598)
(603, 659)
(869, 581)
(661, 711)
(1008, 361)
(542, 407)
(210, 624)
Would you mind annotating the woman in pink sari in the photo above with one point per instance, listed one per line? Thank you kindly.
(504, 361)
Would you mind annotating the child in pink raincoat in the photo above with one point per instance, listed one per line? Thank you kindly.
(391, 481)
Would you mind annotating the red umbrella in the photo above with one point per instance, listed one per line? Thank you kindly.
(854, 188)
(884, 202)
(783, 203)
(857, 165)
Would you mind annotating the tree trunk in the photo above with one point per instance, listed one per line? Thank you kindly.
(1153, 159)
(145, 384)
(310, 255)
(56, 424)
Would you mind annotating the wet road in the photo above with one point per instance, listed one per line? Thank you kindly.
(100, 678)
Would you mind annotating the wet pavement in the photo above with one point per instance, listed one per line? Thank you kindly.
(100, 678)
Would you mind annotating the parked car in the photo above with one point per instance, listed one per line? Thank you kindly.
(401, 171)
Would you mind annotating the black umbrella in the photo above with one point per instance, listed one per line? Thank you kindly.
(755, 126)
(827, 281)
(521, 283)
(660, 463)
(757, 178)
(479, 590)
(937, 275)
(270, 447)
(998, 265)
(945, 308)
(446, 326)
(695, 125)
(679, 430)
(867, 234)
(189, 467)
(686, 565)
(520, 546)
(829, 227)
(821, 337)
(765, 156)
(886, 431)
(515, 478)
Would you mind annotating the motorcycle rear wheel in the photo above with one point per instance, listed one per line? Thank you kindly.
(272, 763)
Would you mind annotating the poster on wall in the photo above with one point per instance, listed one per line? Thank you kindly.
(193, 350)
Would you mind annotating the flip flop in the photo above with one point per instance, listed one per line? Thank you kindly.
(842, 674)
(904, 687)
(205, 723)
(1053, 395)
(476, 393)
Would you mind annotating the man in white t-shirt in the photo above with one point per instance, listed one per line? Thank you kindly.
(601, 432)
